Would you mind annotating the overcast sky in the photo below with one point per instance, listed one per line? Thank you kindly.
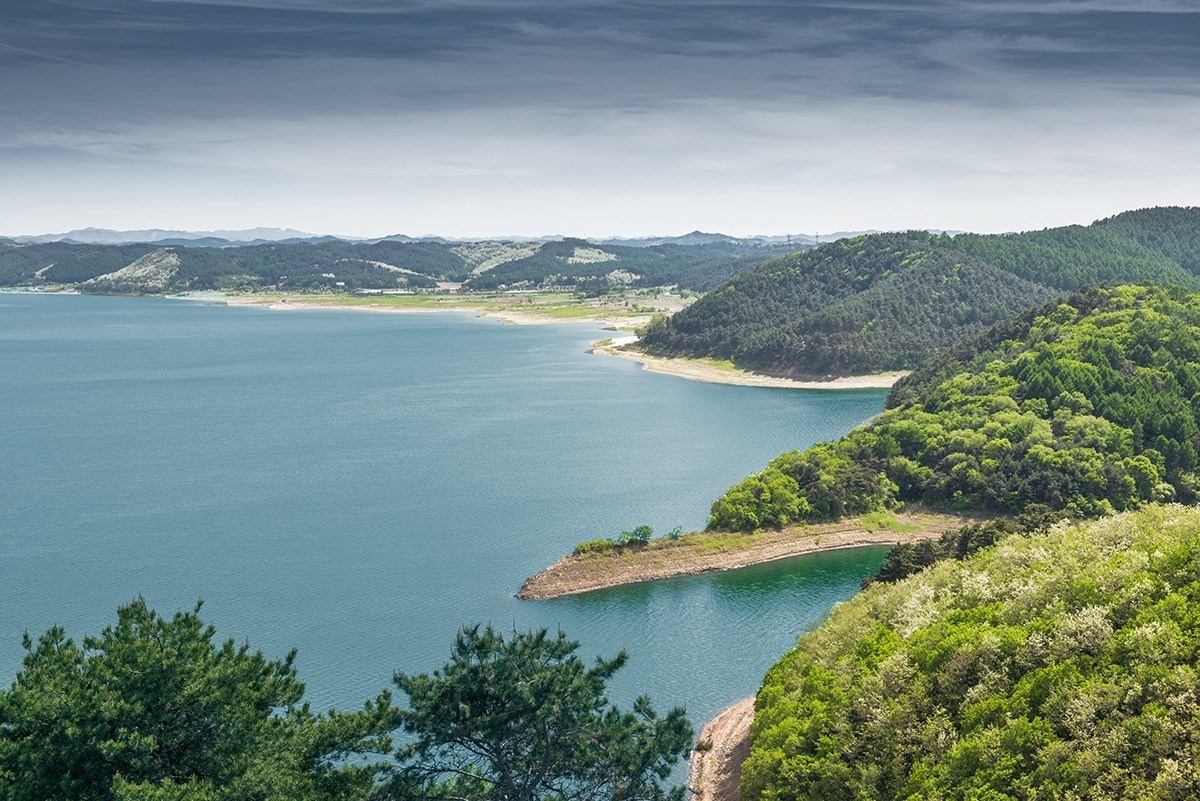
(489, 117)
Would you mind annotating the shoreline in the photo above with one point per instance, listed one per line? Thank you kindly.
(705, 552)
(704, 370)
(614, 319)
(488, 308)
(714, 372)
(716, 771)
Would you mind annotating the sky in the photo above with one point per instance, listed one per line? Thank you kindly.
(645, 117)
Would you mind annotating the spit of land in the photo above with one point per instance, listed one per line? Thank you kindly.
(705, 552)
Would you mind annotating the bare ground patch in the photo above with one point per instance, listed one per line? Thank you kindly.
(724, 744)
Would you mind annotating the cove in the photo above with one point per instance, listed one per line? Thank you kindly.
(359, 485)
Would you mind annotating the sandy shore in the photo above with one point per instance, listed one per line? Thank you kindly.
(717, 768)
(720, 373)
(706, 552)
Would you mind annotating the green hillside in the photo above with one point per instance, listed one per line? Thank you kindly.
(1159, 246)
(888, 301)
(1089, 404)
(1057, 666)
(387, 264)
(63, 263)
(295, 265)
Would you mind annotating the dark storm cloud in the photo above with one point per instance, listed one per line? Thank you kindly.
(683, 48)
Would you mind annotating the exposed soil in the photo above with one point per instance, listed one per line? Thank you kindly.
(717, 766)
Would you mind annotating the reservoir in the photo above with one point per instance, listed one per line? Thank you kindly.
(359, 485)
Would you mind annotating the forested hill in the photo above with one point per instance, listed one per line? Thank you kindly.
(387, 264)
(1057, 666)
(1060, 664)
(860, 305)
(1087, 405)
(1158, 246)
(887, 301)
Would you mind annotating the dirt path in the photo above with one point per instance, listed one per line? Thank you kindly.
(705, 552)
(717, 771)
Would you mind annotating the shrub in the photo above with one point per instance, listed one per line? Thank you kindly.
(641, 534)
(594, 546)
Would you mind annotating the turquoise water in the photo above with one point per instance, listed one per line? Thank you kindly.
(359, 485)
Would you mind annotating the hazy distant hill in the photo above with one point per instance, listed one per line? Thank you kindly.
(886, 301)
(800, 241)
(107, 236)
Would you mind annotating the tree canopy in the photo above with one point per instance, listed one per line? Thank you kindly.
(1055, 666)
(155, 708)
(524, 719)
(1089, 404)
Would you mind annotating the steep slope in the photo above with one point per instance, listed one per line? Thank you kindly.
(1089, 404)
(830, 311)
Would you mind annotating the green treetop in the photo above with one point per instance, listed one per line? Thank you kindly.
(524, 719)
(154, 708)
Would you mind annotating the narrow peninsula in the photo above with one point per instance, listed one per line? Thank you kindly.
(706, 552)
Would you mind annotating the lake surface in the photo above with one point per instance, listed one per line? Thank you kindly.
(359, 485)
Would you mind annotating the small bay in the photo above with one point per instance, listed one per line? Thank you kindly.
(359, 485)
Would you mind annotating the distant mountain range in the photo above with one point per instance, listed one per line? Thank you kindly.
(260, 236)
(107, 236)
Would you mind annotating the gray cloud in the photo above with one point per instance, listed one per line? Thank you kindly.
(468, 105)
(525, 40)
